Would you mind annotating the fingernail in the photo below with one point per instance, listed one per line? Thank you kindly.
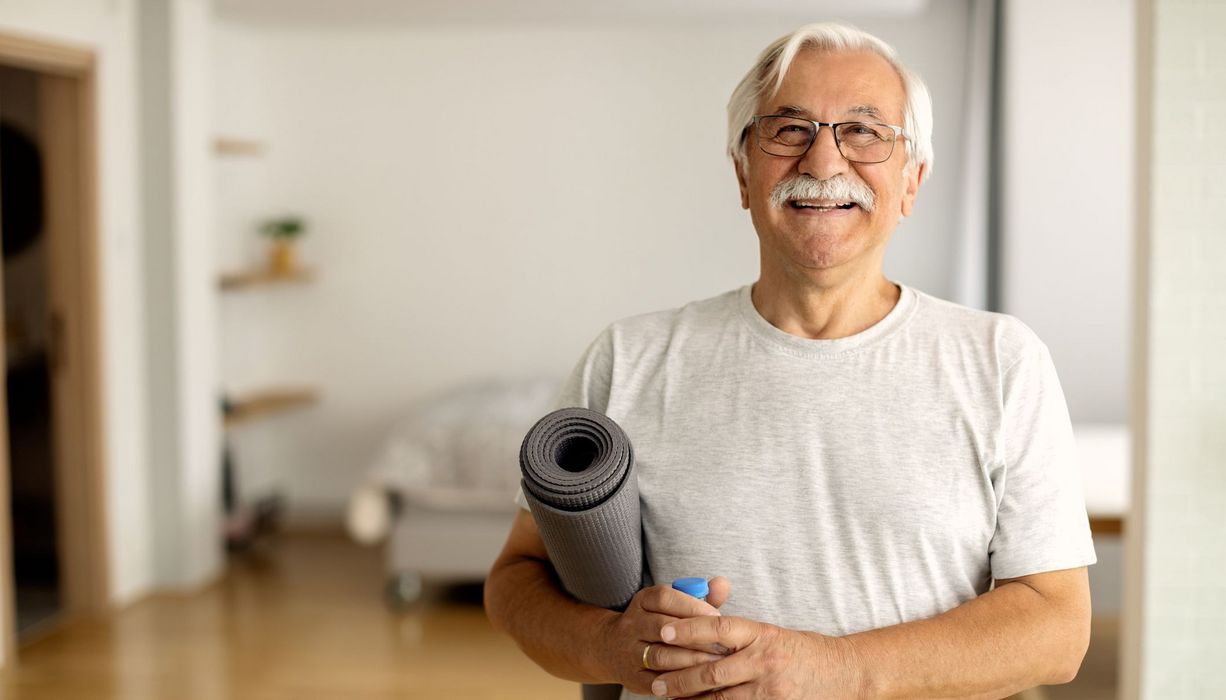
(668, 634)
(658, 688)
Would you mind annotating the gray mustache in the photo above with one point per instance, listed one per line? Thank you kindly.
(836, 188)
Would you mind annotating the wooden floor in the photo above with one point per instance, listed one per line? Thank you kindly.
(304, 620)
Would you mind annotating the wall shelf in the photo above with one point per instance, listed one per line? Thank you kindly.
(232, 146)
(267, 403)
(252, 278)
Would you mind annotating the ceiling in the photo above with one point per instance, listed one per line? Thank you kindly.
(511, 11)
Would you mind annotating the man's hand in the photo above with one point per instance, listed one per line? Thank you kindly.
(661, 656)
(765, 661)
(627, 635)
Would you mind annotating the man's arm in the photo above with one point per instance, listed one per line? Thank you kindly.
(522, 599)
(581, 642)
(1028, 631)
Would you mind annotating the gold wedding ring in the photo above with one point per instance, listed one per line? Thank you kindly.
(646, 650)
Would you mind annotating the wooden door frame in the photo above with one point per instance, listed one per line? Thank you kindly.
(68, 118)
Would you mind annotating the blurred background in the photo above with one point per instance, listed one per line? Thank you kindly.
(286, 281)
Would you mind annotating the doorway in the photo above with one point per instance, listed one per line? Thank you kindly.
(52, 533)
(27, 339)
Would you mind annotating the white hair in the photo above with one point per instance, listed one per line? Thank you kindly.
(768, 73)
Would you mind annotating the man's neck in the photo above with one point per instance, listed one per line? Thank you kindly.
(825, 309)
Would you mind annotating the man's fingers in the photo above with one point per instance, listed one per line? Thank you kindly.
(696, 632)
(665, 657)
(647, 625)
(727, 672)
(745, 691)
(719, 590)
(669, 601)
(645, 678)
(648, 629)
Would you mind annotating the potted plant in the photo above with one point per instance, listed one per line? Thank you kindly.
(282, 232)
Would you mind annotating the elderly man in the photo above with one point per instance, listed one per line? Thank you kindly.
(880, 482)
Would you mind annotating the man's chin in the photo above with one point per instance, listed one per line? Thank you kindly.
(821, 253)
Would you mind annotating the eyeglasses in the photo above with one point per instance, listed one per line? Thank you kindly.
(859, 142)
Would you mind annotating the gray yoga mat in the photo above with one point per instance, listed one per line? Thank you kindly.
(579, 481)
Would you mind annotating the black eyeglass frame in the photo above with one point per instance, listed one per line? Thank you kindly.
(834, 129)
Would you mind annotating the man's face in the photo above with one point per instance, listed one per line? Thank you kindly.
(830, 87)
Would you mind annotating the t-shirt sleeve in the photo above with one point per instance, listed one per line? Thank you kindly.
(1041, 520)
(588, 383)
(587, 386)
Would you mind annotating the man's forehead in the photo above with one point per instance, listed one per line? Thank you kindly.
(845, 83)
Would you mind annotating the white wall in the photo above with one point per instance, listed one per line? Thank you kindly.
(1173, 641)
(484, 199)
(1067, 217)
(108, 27)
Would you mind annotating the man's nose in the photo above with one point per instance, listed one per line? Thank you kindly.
(823, 159)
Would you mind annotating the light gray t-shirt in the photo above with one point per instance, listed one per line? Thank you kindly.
(847, 484)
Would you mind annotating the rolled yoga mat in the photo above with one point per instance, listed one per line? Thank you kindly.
(579, 481)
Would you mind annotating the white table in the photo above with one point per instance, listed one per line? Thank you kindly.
(1104, 455)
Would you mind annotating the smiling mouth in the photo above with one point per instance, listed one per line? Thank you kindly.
(820, 206)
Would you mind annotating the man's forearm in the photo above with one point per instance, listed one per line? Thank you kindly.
(560, 634)
(1004, 641)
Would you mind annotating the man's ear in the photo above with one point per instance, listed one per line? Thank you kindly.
(912, 177)
(740, 181)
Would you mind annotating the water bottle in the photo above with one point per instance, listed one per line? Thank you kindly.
(693, 585)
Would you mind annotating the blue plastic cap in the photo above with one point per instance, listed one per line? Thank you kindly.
(693, 585)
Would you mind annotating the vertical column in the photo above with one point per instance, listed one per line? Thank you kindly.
(180, 298)
(1173, 644)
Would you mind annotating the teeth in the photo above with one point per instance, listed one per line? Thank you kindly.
(823, 207)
